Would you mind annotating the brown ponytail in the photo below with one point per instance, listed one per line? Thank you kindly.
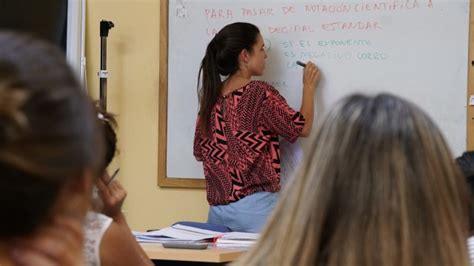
(221, 59)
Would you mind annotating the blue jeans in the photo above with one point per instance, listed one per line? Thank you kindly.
(246, 215)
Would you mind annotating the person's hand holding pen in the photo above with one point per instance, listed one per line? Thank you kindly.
(112, 194)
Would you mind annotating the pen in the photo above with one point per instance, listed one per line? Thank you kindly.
(113, 176)
(300, 63)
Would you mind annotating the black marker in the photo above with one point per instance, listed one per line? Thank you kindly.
(300, 63)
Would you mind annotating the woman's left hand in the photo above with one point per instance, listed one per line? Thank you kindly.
(113, 195)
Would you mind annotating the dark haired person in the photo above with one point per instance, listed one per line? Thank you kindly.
(108, 237)
(466, 164)
(51, 152)
(239, 124)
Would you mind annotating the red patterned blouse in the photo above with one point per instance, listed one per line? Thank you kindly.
(242, 154)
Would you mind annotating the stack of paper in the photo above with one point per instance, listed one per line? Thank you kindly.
(237, 239)
(176, 232)
(181, 232)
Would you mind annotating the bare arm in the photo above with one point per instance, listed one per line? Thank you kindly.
(119, 247)
(112, 195)
(311, 77)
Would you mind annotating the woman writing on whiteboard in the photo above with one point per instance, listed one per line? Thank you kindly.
(239, 124)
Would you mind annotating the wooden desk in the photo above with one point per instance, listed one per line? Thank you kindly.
(210, 255)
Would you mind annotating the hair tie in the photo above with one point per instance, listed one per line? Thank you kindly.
(13, 121)
(102, 117)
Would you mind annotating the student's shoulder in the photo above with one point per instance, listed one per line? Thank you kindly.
(262, 88)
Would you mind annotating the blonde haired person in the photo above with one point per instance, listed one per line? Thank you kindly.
(379, 187)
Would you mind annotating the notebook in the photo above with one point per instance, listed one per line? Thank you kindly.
(188, 231)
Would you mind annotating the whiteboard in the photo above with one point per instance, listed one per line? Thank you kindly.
(417, 49)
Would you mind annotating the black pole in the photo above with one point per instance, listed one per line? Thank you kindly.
(105, 26)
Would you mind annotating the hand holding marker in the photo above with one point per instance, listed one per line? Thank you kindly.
(300, 63)
(311, 73)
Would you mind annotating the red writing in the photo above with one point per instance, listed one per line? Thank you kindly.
(288, 9)
(212, 13)
(334, 8)
(373, 6)
(359, 25)
(291, 28)
(253, 12)
(211, 31)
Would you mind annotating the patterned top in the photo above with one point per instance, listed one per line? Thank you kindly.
(241, 155)
(95, 225)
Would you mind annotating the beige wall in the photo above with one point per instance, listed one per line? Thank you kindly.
(133, 65)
